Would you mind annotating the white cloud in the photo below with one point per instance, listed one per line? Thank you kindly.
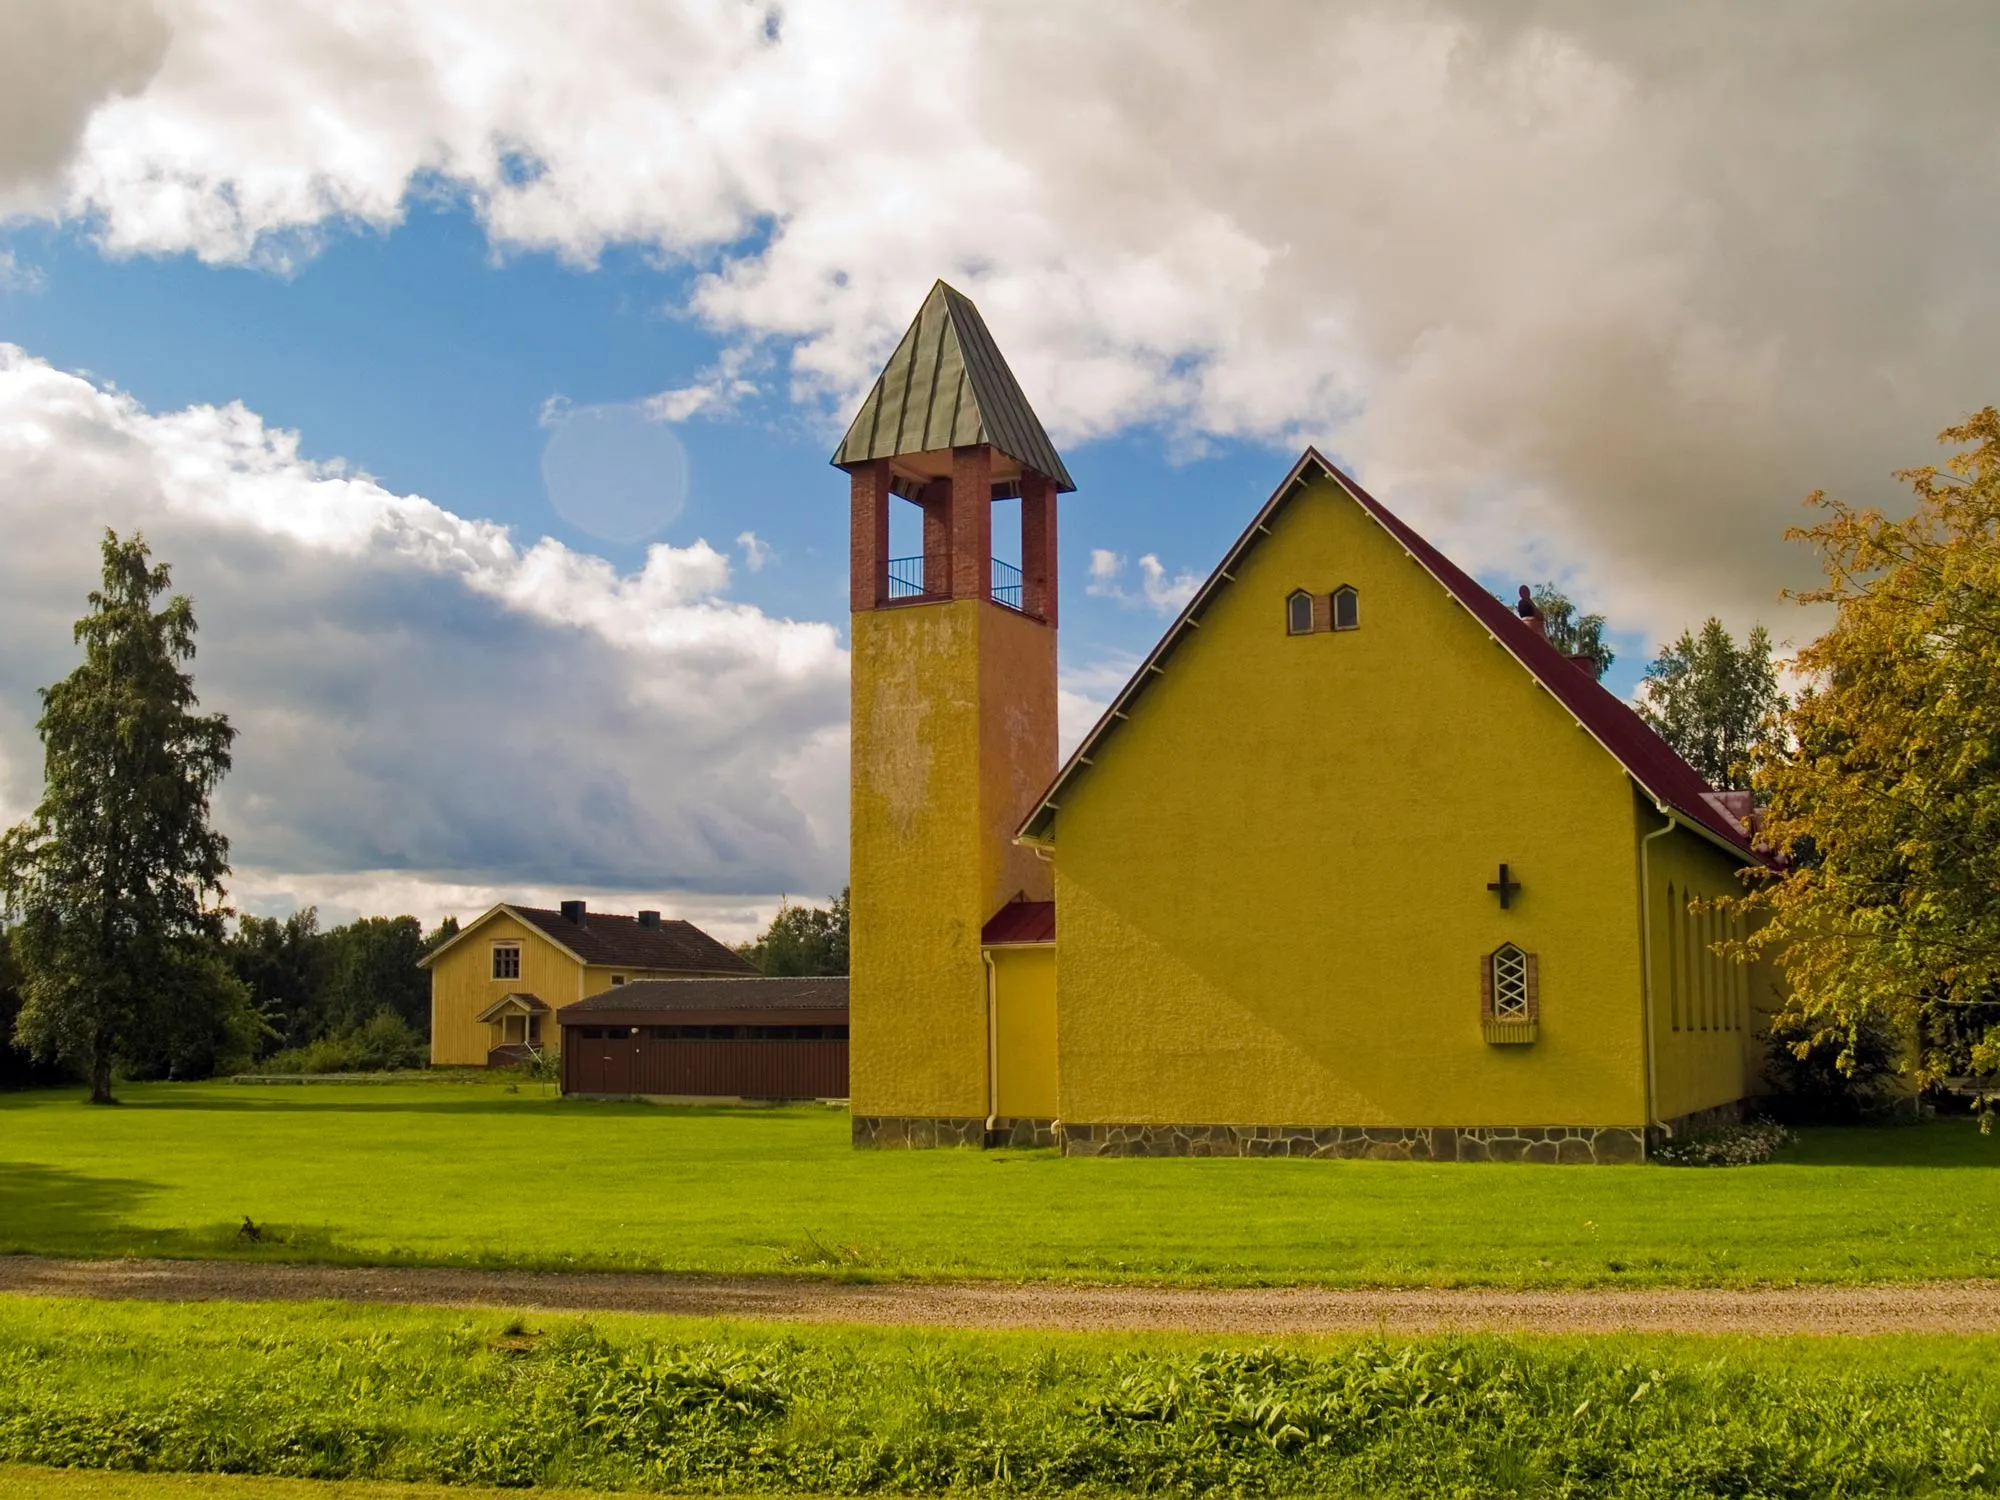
(1157, 591)
(756, 552)
(420, 699)
(344, 897)
(1612, 282)
(1167, 596)
(59, 61)
(18, 276)
(1084, 692)
(717, 391)
(1105, 567)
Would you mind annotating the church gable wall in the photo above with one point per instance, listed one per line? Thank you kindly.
(1273, 879)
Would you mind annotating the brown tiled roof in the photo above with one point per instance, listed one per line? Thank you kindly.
(605, 938)
(1021, 922)
(657, 995)
(1660, 773)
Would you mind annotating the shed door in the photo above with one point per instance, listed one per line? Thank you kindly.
(603, 1060)
(620, 1051)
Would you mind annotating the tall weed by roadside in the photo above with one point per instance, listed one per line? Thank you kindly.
(442, 1397)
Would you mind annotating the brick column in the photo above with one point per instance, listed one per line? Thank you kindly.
(868, 535)
(972, 522)
(1038, 545)
(935, 501)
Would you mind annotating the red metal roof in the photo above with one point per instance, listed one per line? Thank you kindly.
(1647, 758)
(1021, 922)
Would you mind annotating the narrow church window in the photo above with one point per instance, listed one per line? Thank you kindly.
(1299, 614)
(1510, 984)
(1346, 608)
(506, 960)
(1673, 959)
(1510, 995)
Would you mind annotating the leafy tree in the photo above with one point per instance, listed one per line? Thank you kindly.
(1570, 632)
(19, 1069)
(1885, 788)
(1708, 697)
(283, 963)
(112, 876)
(199, 1020)
(803, 940)
(371, 965)
(439, 935)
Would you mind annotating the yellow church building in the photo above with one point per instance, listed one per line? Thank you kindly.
(1356, 864)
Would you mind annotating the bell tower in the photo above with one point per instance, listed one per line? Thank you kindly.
(954, 716)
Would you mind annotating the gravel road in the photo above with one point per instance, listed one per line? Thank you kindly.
(1908, 1307)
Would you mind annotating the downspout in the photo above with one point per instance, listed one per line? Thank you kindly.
(992, 1042)
(1646, 945)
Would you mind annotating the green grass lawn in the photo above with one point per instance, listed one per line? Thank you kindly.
(467, 1173)
(31, 1482)
(680, 1405)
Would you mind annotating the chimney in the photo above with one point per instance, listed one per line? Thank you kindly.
(575, 913)
(1531, 613)
(1735, 805)
(1585, 663)
(649, 919)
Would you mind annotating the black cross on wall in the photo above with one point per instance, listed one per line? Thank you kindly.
(1505, 887)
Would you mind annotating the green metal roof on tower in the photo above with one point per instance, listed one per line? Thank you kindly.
(947, 386)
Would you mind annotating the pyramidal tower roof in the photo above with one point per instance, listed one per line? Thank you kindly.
(946, 386)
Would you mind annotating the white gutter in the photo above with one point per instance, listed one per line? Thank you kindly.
(1646, 948)
(992, 1041)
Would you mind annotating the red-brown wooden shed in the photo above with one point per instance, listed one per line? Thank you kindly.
(761, 1039)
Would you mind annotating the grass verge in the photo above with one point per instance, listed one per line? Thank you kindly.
(33, 1482)
(335, 1392)
(468, 1174)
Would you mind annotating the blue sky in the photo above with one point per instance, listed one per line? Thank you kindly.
(424, 358)
(1557, 285)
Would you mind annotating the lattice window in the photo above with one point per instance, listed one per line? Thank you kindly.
(1510, 1002)
(506, 960)
(1510, 984)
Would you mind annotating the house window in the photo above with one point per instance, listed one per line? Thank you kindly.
(506, 960)
(1509, 995)
(617, 978)
(1346, 608)
(1299, 614)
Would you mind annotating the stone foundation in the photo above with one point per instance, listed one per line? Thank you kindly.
(918, 1133)
(1008, 1131)
(1581, 1145)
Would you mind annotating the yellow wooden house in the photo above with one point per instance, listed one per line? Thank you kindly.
(496, 986)
(1356, 864)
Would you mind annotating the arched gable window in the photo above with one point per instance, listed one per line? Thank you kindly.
(1346, 608)
(1299, 613)
(1510, 1000)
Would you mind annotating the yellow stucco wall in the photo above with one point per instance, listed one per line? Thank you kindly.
(1025, 1031)
(1708, 1011)
(1272, 882)
(462, 985)
(954, 710)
